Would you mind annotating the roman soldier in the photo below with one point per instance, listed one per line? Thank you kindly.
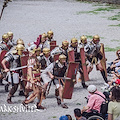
(13, 49)
(94, 55)
(114, 64)
(33, 78)
(56, 71)
(3, 47)
(11, 42)
(62, 49)
(14, 59)
(74, 45)
(41, 42)
(44, 42)
(84, 43)
(50, 35)
(45, 59)
(3, 44)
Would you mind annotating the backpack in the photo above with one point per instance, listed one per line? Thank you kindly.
(104, 105)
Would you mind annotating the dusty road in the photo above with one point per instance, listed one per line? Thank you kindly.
(67, 19)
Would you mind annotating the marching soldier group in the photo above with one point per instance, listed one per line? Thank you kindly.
(42, 68)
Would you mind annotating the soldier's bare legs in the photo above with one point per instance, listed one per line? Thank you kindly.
(1, 77)
(36, 93)
(99, 67)
(11, 93)
(60, 101)
(44, 90)
(22, 88)
(89, 68)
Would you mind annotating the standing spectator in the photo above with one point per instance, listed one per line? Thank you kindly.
(114, 104)
(78, 115)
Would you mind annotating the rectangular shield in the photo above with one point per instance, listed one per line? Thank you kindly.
(71, 56)
(69, 83)
(56, 57)
(84, 66)
(24, 60)
(103, 60)
(2, 55)
(53, 43)
(52, 47)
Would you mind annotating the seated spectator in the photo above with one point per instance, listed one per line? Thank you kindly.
(78, 115)
(69, 117)
(115, 63)
(114, 104)
(94, 103)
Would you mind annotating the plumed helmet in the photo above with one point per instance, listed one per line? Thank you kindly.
(62, 57)
(74, 42)
(46, 51)
(20, 41)
(91, 88)
(83, 39)
(96, 38)
(44, 35)
(5, 36)
(50, 32)
(10, 33)
(65, 44)
(20, 48)
(34, 50)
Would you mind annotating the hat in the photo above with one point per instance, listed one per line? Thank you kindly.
(64, 117)
(91, 88)
(117, 81)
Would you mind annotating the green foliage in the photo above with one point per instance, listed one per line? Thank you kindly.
(115, 17)
(85, 12)
(99, 10)
(108, 49)
(115, 25)
(105, 9)
(89, 36)
(54, 117)
(115, 40)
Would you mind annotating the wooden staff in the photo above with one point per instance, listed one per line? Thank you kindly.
(4, 5)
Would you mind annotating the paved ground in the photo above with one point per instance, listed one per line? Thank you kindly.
(28, 19)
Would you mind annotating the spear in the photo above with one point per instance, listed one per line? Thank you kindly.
(4, 5)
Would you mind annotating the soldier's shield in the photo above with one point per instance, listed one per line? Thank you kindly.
(53, 43)
(52, 47)
(56, 57)
(24, 60)
(2, 55)
(84, 66)
(69, 83)
(71, 56)
(103, 60)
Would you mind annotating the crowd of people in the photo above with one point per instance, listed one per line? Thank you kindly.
(46, 62)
